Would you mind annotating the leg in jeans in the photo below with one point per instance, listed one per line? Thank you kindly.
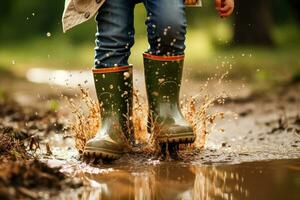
(166, 26)
(113, 84)
(163, 65)
(115, 33)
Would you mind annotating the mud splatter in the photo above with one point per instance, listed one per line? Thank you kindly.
(196, 109)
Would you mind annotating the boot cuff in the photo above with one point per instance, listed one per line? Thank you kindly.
(112, 69)
(163, 58)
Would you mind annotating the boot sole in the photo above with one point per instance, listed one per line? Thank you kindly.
(102, 153)
(184, 138)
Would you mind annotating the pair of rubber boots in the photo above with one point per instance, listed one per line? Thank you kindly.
(114, 89)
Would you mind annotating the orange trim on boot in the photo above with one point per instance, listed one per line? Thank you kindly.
(163, 58)
(112, 69)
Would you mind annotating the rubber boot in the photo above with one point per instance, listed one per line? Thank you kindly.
(114, 92)
(163, 76)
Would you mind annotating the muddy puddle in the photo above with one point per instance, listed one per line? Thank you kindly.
(278, 179)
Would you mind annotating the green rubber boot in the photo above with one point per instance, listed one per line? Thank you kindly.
(163, 76)
(114, 92)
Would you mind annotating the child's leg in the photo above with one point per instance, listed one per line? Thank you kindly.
(113, 85)
(115, 33)
(163, 72)
(166, 26)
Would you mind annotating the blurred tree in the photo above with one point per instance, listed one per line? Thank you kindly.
(253, 23)
(5, 10)
(26, 20)
(21, 19)
(295, 5)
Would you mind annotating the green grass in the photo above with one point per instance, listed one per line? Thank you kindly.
(207, 53)
(50, 53)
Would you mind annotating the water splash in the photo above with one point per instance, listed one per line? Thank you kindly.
(86, 122)
(196, 109)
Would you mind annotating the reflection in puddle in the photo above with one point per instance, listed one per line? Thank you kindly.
(256, 180)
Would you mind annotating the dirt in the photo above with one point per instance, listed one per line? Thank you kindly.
(22, 174)
(32, 179)
(252, 152)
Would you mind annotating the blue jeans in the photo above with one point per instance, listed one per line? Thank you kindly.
(166, 27)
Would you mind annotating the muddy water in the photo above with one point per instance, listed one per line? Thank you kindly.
(235, 163)
(278, 179)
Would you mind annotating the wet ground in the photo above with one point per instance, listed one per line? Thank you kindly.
(253, 153)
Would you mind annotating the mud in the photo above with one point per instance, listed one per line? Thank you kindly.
(251, 153)
(23, 131)
(32, 179)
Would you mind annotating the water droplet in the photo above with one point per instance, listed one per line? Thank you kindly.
(161, 80)
(155, 93)
(126, 75)
(48, 34)
(33, 14)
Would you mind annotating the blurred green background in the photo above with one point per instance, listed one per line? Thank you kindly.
(259, 43)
